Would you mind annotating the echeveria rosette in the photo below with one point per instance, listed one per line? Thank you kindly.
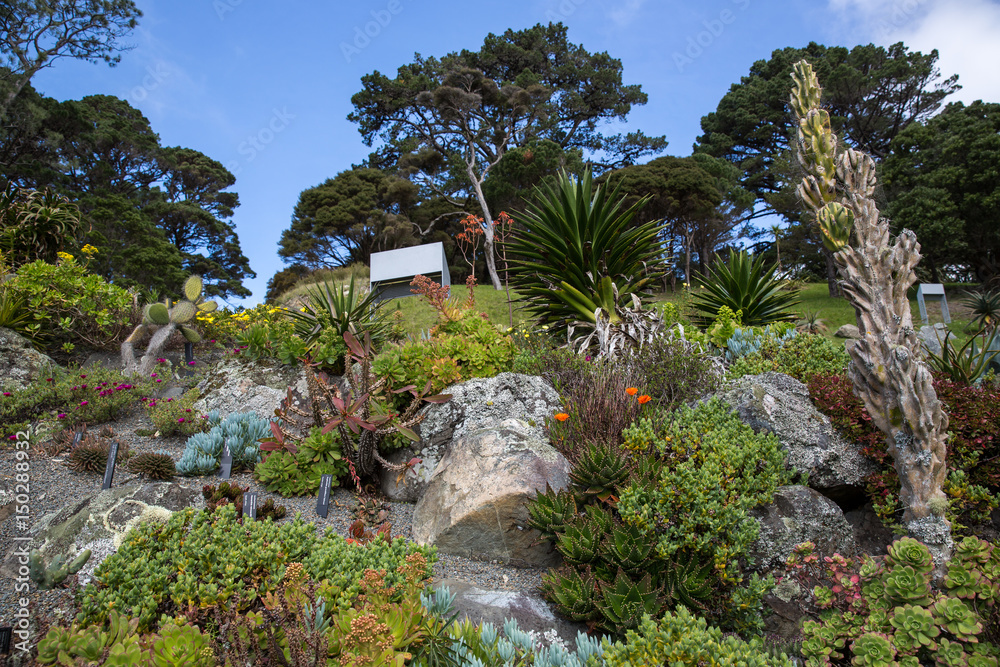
(955, 617)
(962, 581)
(950, 654)
(908, 551)
(915, 629)
(904, 585)
(873, 649)
(984, 655)
(821, 644)
(974, 551)
(877, 621)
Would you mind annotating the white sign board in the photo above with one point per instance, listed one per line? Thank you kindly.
(392, 271)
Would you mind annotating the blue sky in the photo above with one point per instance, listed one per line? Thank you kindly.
(265, 87)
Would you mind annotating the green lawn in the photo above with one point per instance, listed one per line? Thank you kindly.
(419, 317)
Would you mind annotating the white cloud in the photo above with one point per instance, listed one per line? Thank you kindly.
(966, 34)
(623, 13)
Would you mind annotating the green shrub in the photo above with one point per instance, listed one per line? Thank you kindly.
(71, 307)
(675, 371)
(744, 285)
(802, 356)
(70, 397)
(888, 611)
(176, 416)
(465, 348)
(299, 474)
(199, 560)
(683, 639)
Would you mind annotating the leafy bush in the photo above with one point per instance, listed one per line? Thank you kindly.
(742, 284)
(34, 225)
(176, 416)
(241, 431)
(468, 347)
(299, 473)
(683, 639)
(69, 398)
(973, 486)
(199, 560)
(577, 249)
(675, 371)
(800, 356)
(71, 307)
(329, 306)
(888, 611)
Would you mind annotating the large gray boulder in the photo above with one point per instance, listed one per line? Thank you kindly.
(848, 331)
(777, 403)
(259, 386)
(20, 363)
(530, 611)
(798, 514)
(475, 404)
(100, 522)
(932, 337)
(475, 503)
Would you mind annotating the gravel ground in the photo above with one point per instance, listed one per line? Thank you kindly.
(53, 486)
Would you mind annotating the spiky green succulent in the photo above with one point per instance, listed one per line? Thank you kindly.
(573, 595)
(915, 629)
(873, 649)
(957, 618)
(599, 472)
(688, 581)
(156, 466)
(908, 551)
(88, 458)
(624, 602)
(550, 512)
(579, 543)
(628, 548)
(904, 585)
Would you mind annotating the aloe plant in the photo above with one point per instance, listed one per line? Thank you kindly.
(578, 544)
(573, 595)
(578, 249)
(743, 284)
(967, 365)
(624, 602)
(550, 512)
(599, 472)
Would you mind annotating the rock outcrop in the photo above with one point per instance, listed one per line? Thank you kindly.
(475, 502)
(20, 363)
(779, 404)
(475, 404)
(236, 386)
(848, 331)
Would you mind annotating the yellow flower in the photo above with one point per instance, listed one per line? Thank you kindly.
(88, 250)
(65, 256)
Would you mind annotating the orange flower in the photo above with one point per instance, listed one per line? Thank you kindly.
(561, 416)
(645, 398)
(631, 391)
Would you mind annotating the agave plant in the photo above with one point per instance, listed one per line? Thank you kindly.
(345, 310)
(578, 249)
(743, 284)
(969, 363)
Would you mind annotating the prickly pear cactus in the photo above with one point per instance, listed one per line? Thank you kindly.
(49, 576)
(876, 271)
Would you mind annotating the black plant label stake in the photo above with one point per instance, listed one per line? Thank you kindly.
(6, 634)
(323, 504)
(227, 462)
(77, 437)
(109, 469)
(250, 504)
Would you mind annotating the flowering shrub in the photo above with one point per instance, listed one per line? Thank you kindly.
(173, 416)
(973, 485)
(70, 306)
(224, 326)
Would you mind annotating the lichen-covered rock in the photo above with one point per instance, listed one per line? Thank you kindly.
(100, 522)
(530, 611)
(848, 331)
(777, 403)
(258, 386)
(475, 404)
(798, 514)
(20, 363)
(475, 503)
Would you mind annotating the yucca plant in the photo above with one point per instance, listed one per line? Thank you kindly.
(329, 305)
(743, 284)
(985, 307)
(578, 249)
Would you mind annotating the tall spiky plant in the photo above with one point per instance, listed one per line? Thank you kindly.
(886, 367)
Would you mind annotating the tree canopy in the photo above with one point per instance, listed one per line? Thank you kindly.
(942, 181)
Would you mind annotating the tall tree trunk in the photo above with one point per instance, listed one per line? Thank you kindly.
(832, 282)
(488, 250)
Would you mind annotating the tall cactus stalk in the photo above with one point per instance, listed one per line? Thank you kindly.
(886, 369)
